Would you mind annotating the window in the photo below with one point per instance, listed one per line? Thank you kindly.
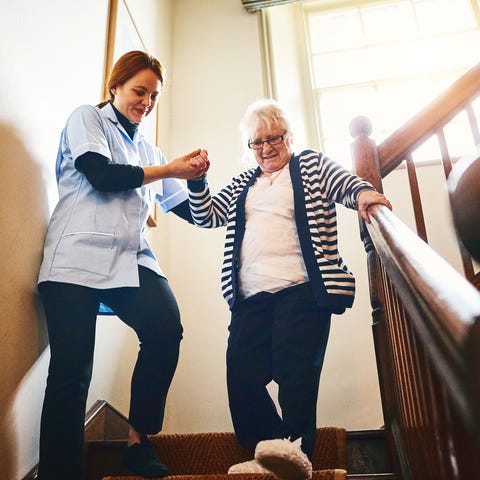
(385, 60)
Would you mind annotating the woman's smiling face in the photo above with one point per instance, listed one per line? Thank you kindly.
(137, 97)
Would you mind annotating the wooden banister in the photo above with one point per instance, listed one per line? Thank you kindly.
(392, 150)
(443, 313)
(426, 315)
(439, 321)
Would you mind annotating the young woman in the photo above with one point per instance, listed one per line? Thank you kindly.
(95, 252)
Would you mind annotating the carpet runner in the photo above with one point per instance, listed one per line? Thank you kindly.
(195, 456)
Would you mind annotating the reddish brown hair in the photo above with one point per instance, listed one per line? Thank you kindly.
(127, 66)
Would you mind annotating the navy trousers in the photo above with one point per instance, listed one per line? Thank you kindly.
(71, 313)
(280, 337)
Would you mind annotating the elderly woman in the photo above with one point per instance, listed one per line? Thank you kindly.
(282, 277)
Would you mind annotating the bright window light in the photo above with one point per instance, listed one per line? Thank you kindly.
(387, 60)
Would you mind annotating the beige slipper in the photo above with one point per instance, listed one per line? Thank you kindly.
(284, 459)
(250, 466)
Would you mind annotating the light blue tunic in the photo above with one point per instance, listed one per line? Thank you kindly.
(95, 238)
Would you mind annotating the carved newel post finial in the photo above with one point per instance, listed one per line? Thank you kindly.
(360, 127)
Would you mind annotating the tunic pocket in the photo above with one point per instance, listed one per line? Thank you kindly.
(86, 250)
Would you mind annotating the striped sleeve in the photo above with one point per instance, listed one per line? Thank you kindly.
(336, 182)
(208, 211)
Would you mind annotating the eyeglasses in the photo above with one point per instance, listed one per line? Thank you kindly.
(275, 140)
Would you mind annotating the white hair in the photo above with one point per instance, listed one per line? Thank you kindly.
(267, 112)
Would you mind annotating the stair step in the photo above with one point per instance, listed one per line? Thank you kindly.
(316, 475)
(367, 452)
(104, 459)
(203, 454)
(363, 454)
(374, 476)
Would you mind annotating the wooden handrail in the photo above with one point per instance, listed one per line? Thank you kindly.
(456, 302)
(392, 150)
(443, 313)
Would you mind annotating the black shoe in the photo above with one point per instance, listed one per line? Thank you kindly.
(141, 458)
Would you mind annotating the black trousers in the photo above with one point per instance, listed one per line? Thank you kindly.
(71, 313)
(280, 337)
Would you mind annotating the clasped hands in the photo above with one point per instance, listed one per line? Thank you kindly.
(192, 165)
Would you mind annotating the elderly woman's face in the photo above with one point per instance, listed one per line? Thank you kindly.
(271, 156)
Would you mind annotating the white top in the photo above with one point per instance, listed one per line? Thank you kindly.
(270, 255)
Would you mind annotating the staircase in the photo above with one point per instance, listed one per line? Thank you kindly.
(425, 322)
(426, 329)
(208, 456)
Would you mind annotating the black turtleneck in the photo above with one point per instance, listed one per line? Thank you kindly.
(106, 176)
(129, 126)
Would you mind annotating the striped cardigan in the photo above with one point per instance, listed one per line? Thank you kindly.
(318, 183)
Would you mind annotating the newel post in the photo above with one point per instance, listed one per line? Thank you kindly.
(364, 152)
(366, 165)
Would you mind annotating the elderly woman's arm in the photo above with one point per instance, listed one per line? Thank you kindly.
(349, 189)
(211, 211)
(207, 211)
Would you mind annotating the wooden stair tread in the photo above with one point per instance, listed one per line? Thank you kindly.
(200, 455)
(330, 474)
(373, 476)
(106, 431)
